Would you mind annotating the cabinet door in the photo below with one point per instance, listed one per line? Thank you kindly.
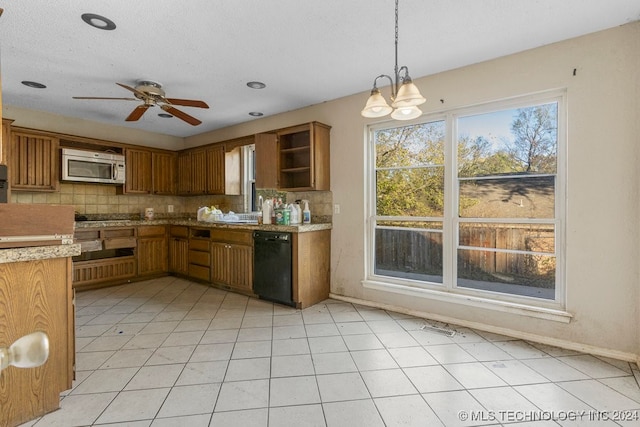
(138, 163)
(240, 267)
(199, 172)
(164, 173)
(266, 160)
(5, 140)
(219, 263)
(178, 255)
(152, 256)
(34, 162)
(215, 170)
(36, 296)
(184, 173)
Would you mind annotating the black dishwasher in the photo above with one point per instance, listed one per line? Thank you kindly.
(272, 266)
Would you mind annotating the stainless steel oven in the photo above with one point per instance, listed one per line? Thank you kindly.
(91, 166)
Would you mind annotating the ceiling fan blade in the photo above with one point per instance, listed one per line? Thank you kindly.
(137, 112)
(181, 115)
(187, 102)
(134, 90)
(96, 97)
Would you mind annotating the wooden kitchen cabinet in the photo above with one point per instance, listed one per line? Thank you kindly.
(303, 157)
(138, 164)
(5, 141)
(311, 264)
(34, 162)
(199, 254)
(179, 250)
(110, 257)
(192, 172)
(266, 160)
(232, 260)
(215, 170)
(36, 296)
(152, 253)
(150, 172)
(163, 177)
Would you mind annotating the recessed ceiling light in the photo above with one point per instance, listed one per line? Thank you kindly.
(34, 85)
(256, 85)
(165, 115)
(256, 114)
(98, 21)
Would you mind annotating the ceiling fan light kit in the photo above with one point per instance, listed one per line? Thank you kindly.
(152, 94)
(405, 96)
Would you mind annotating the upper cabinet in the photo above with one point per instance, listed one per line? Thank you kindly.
(150, 172)
(215, 170)
(163, 175)
(303, 157)
(192, 172)
(138, 164)
(266, 160)
(33, 162)
(209, 170)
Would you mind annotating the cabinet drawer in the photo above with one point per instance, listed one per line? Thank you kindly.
(179, 231)
(199, 244)
(151, 230)
(92, 234)
(200, 258)
(90, 245)
(110, 233)
(119, 242)
(228, 236)
(199, 272)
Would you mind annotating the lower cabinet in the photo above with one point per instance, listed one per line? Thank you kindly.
(152, 250)
(232, 265)
(36, 296)
(110, 256)
(221, 256)
(179, 250)
(200, 254)
(232, 259)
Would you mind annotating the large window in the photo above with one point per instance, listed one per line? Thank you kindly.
(470, 202)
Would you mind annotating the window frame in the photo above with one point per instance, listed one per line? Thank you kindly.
(449, 290)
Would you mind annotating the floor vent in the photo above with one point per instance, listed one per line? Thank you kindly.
(443, 331)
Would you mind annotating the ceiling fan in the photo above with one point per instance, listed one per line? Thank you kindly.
(151, 93)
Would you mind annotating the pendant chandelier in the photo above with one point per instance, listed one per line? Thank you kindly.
(405, 96)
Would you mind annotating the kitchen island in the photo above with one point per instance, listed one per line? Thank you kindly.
(218, 253)
(36, 295)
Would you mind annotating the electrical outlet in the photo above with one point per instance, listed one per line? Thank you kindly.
(170, 208)
(336, 209)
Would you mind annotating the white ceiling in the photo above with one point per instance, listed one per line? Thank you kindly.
(306, 51)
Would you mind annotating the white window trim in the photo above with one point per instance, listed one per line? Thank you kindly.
(449, 292)
(247, 175)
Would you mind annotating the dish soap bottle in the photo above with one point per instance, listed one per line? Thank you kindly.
(306, 213)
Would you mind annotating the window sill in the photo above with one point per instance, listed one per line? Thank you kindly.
(473, 301)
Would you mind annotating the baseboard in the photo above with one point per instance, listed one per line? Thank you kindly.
(569, 345)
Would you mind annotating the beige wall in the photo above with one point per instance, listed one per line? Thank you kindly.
(602, 232)
(603, 206)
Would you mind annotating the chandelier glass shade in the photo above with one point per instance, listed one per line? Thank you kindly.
(405, 96)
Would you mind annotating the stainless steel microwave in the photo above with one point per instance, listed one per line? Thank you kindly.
(92, 166)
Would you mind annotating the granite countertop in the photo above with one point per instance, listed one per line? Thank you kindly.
(38, 252)
(299, 228)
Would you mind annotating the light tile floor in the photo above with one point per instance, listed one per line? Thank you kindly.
(169, 352)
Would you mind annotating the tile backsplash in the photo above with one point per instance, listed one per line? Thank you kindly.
(96, 199)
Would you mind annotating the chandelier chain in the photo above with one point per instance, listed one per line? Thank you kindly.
(396, 48)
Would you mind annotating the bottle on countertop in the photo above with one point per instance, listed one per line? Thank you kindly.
(298, 212)
(306, 213)
(293, 216)
(266, 212)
